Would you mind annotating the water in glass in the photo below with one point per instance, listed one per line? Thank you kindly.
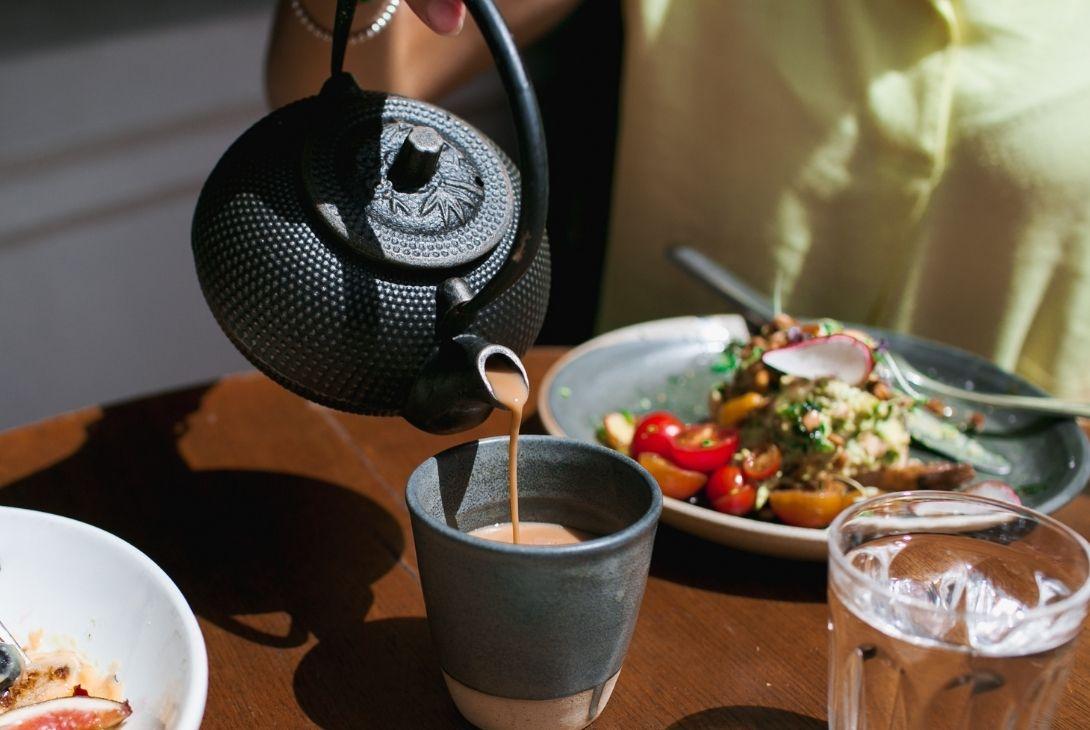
(948, 615)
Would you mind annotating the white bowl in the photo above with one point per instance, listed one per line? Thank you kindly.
(77, 583)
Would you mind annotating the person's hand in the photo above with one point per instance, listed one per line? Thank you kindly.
(445, 17)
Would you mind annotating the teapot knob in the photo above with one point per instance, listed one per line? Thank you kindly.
(416, 161)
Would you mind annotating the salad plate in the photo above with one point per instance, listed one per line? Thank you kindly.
(670, 365)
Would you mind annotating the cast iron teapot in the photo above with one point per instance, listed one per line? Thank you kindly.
(372, 253)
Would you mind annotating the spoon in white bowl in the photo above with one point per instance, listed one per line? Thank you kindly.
(12, 658)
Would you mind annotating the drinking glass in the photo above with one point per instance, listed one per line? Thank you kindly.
(951, 611)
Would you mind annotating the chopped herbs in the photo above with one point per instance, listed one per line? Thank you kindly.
(1028, 490)
(754, 357)
(727, 362)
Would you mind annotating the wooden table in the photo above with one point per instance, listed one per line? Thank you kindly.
(284, 525)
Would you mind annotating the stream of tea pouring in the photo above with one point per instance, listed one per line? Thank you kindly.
(511, 391)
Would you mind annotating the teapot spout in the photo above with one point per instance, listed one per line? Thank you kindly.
(453, 392)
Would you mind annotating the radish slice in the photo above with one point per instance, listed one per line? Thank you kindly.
(70, 713)
(995, 489)
(837, 356)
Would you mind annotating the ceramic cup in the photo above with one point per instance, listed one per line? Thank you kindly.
(532, 636)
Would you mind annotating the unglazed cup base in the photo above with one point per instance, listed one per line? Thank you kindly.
(490, 712)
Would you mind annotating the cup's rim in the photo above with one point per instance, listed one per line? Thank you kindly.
(614, 540)
(838, 558)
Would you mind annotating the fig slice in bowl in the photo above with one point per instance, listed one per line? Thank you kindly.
(79, 712)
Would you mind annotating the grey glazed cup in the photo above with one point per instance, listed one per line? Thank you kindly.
(532, 623)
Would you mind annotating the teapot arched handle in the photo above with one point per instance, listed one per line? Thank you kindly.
(532, 162)
(457, 313)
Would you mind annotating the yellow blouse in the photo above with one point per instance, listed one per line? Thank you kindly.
(923, 166)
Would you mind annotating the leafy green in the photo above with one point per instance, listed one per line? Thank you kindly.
(819, 441)
(753, 357)
(1028, 490)
(802, 438)
(727, 362)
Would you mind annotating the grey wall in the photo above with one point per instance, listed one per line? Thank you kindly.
(108, 127)
(104, 142)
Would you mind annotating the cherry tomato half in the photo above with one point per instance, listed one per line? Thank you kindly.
(673, 480)
(804, 508)
(728, 491)
(655, 434)
(761, 465)
(704, 447)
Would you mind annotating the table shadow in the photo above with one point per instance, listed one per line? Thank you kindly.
(739, 717)
(381, 673)
(240, 543)
(235, 542)
(692, 561)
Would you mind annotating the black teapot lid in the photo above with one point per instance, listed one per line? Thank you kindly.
(403, 182)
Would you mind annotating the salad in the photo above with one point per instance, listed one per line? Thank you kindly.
(802, 425)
